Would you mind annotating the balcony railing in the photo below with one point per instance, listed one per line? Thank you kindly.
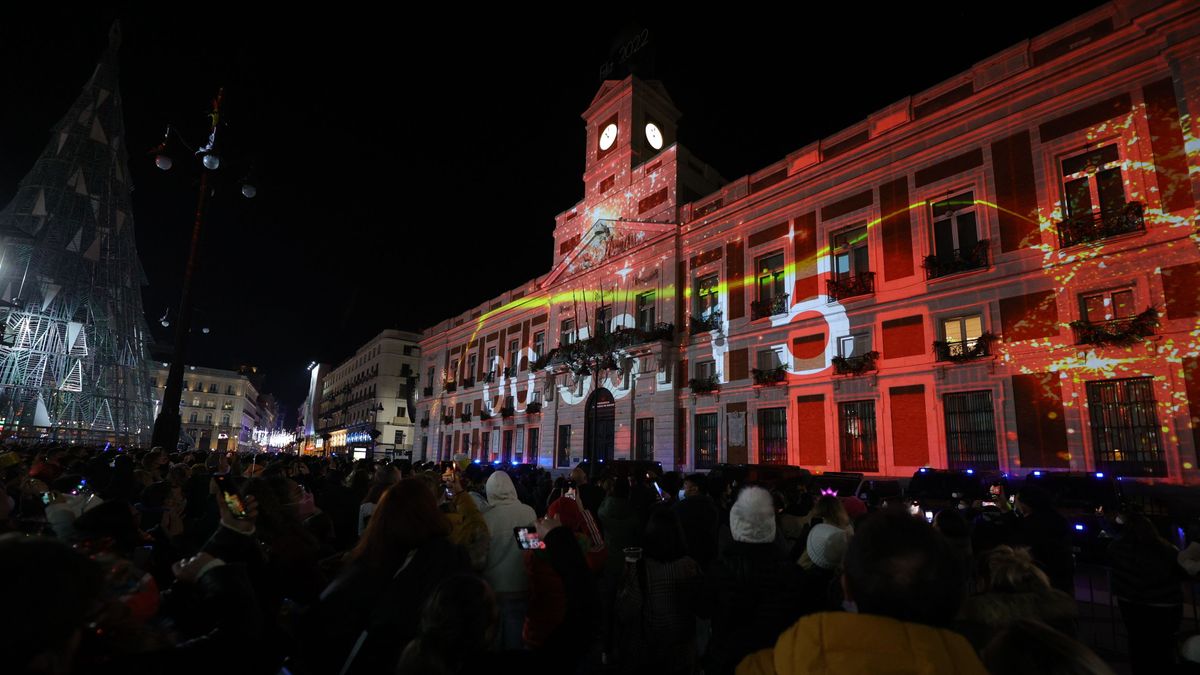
(964, 350)
(468, 382)
(704, 385)
(1090, 227)
(705, 324)
(761, 309)
(485, 415)
(770, 376)
(533, 408)
(451, 385)
(508, 411)
(958, 260)
(447, 419)
(604, 351)
(466, 416)
(424, 421)
(1119, 332)
(427, 391)
(509, 371)
(490, 377)
(855, 365)
(846, 286)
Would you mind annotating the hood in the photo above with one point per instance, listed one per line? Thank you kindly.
(500, 489)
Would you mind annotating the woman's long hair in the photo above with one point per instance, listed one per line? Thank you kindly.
(406, 518)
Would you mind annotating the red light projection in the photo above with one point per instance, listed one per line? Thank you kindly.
(1007, 280)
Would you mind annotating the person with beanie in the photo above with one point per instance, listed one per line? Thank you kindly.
(505, 568)
(753, 589)
(820, 587)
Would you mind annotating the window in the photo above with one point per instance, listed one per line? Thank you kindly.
(645, 439)
(706, 370)
(768, 359)
(208, 418)
(408, 350)
(563, 458)
(485, 438)
(772, 296)
(1110, 305)
(212, 388)
(229, 390)
(193, 418)
(453, 370)
(199, 386)
(956, 243)
(519, 449)
(970, 430)
(706, 441)
(772, 436)
(850, 346)
(514, 348)
(466, 443)
(603, 320)
(708, 300)
(534, 437)
(153, 382)
(856, 435)
(195, 403)
(224, 420)
(1094, 198)
(539, 344)
(1125, 427)
(401, 411)
(185, 385)
(507, 447)
(850, 264)
(430, 376)
(645, 311)
(566, 332)
(961, 337)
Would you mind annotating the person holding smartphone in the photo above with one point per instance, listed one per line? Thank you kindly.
(505, 567)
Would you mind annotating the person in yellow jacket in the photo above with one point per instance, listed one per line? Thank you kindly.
(902, 584)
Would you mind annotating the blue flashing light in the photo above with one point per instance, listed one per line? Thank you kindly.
(476, 461)
(1099, 474)
(971, 472)
(923, 469)
(1119, 478)
(495, 461)
(1079, 527)
(1037, 473)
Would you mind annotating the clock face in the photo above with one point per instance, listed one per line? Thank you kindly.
(608, 136)
(654, 136)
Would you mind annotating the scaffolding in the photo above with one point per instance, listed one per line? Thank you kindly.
(73, 350)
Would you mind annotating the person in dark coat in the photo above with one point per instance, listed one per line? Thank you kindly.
(699, 518)
(1047, 535)
(404, 554)
(1011, 588)
(753, 588)
(1146, 580)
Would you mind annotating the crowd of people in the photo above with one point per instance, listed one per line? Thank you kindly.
(121, 560)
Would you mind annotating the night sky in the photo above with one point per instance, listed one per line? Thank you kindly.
(410, 170)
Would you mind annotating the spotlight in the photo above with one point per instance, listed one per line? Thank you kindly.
(212, 162)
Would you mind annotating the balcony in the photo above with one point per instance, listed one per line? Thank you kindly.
(1118, 332)
(761, 309)
(1091, 227)
(964, 350)
(957, 261)
(510, 371)
(466, 416)
(447, 419)
(604, 352)
(468, 382)
(704, 385)
(450, 386)
(846, 286)
(855, 365)
(490, 377)
(769, 377)
(485, 415)
(508, 411)
(427, 391)
(533, 408)
(424, 421)
(705, 324)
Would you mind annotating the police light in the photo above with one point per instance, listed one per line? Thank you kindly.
(1037, 473)
(1079, 527)
(1099, 474)
(923, 469)
(971, 472)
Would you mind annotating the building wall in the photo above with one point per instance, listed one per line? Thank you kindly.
(212, 392)
(999, 155)
(378, 375)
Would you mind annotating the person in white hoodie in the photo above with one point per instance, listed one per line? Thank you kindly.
(505, 568)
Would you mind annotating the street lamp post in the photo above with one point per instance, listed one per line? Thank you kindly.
(166, 427)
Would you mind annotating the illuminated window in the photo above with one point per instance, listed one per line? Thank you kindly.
(772, 436)
(706, 441)
(1094, 205)
(1110, 305)
(708, 300)
(645, 311)
(491, 361)
(956, 244)
(850, 346)
(566, 332)
(539, 344)
(603, 320)
(961, 333)
(195, 403)
(769, 270)
(850, 254)
(1125, 428)
(970, 430)
(856, 435)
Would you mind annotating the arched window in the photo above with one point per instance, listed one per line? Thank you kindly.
(225, 420)
(208, 418)
(192, 419)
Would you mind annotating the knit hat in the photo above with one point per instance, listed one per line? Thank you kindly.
(752, 518)
(827, 546)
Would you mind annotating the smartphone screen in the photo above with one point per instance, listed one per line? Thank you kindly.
(996, 490)
(929, 516)
(233, 498)
(46, 498)
(527, 538)
(571, 493)
(989, 503)
(658, 489)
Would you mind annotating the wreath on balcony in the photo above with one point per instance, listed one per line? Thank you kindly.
(1121, 332)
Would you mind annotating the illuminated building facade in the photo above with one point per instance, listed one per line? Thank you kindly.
(365, 400)
(219, 408)
(1000, 272)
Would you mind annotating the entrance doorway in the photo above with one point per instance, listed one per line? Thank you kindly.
(599, 427)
